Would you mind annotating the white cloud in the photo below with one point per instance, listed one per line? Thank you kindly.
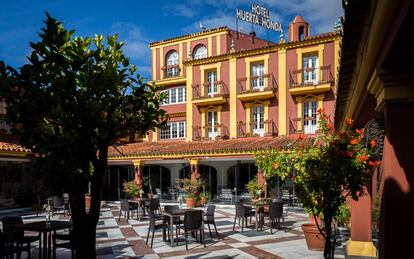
(136, 46)
(179, 10)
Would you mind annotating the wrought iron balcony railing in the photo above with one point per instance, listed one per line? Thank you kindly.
(311, 76)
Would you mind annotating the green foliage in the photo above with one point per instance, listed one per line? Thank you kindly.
(75, 98)
(254, 188)
(274, 163)
(328, 174)
(376, 212)
(343, 215)
(191, 186)
(131, 188)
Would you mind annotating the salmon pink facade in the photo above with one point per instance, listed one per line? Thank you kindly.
(226, 87)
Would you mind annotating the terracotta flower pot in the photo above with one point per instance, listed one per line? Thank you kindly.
(191, 203)
(314, 239)
(87, 202)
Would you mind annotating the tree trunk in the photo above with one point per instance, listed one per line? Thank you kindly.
(86, 244)
(327, 253)
(84, 224)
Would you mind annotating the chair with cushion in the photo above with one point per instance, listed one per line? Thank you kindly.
(193, 222)
(275, 213)
(242, 213)
(209, 218)
(153, 226)
(16, 235)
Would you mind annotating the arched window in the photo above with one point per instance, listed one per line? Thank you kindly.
(172, 64)
(200, 52)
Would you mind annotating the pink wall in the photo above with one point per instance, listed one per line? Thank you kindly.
(245, 41)
(213, 46)
(157, 65)
(241, 73)
(225, 43)
(292, 110)
(172, 108)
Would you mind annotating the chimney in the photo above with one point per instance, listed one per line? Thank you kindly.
(299, 29)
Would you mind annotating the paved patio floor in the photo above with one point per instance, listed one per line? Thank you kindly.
(126, 239)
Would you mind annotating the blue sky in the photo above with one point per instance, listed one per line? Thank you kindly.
(139, 22)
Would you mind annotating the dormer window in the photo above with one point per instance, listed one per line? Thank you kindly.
(200, 52)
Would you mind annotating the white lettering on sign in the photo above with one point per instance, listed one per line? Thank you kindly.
(259, 16)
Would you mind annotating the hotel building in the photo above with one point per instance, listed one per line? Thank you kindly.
(230, 94)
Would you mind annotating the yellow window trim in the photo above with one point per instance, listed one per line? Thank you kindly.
(204, 69)
(189, 103)
(301, 52)
(249, 107)
(309, 98)
(249, 60)
(204, 111)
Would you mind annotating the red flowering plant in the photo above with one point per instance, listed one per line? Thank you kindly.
(339, 167)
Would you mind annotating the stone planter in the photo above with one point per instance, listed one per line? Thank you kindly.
(191, 203)
(314, 239)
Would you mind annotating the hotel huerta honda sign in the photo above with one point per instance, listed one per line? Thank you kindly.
(259, 16)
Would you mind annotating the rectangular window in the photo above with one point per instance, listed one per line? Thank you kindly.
(310, 69)
(212, 130)
(310, 122)
(174, 130)
(257, 79)
(175, 95)
(212, 83)
(258, 120)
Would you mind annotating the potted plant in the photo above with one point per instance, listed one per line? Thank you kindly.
(132, 189)
(192, 189)
(255, 189)
(204, 197)
(327, 175)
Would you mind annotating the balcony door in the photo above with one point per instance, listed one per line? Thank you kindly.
(258, 120)
(258, 77)
(211, 83)
(310, 69)
(310, 122)
(212, 122)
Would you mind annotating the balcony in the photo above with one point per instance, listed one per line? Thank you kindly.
(210, 93)
(251, 130)
(216, 132)
(311, 80)
(171, 71)
(261, 88)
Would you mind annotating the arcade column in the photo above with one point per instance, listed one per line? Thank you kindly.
(138, 171)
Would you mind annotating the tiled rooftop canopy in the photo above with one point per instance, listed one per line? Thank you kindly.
(244, 145)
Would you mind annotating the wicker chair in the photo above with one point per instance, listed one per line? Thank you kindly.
(209, 218)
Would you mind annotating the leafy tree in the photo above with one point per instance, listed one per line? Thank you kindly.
(73, 100)
(327, 175)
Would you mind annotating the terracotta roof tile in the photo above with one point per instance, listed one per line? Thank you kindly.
(12, 147)
(162, 148)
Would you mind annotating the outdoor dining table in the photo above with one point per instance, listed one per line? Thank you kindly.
(258, 206)
(172, 215)
(46, 229)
